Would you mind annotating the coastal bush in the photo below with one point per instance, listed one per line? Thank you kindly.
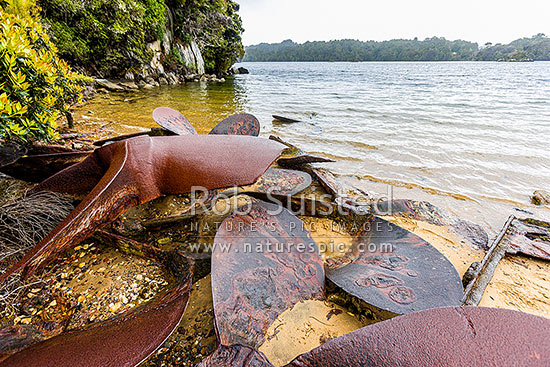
(35, 85)
(107, 36)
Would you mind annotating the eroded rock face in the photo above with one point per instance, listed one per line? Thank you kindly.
(540, 197)
(191, 56)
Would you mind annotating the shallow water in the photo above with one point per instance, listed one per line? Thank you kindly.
(470, 136)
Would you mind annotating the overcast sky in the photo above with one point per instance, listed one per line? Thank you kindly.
(472, 20)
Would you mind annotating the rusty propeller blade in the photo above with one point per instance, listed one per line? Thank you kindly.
(134, 171)
(173, 121)
(396, 271)
(241, 124)
(123, 341)
(450, 336)
(271, 264)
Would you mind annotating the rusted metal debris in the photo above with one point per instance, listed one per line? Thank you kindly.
(451, 336)
(126, 340)
(282, 182)
(121, 175)
(10, 153)
(271, 264)
(235, 355)
(173, 121)
(240, 124)
(36, 168)
(396, 271)
(529, 237)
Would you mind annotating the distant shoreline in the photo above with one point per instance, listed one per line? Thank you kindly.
(430, 49)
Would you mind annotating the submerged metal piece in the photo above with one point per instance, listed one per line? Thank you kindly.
(173, 121)
(36, 168)
(240, 124)
(134, 171)
(302, 160)
(396, 271)
(271, 264)
(126, 340)
(451, 336)
(284, 119)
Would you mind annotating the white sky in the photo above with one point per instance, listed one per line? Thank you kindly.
(321, 20)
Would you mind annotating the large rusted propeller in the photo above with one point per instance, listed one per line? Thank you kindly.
(134, 171)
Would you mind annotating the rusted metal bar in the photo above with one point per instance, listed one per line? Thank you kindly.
(474, 291)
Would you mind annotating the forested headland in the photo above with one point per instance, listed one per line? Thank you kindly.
(430, 49)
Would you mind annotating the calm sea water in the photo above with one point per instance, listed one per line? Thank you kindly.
(473, 136)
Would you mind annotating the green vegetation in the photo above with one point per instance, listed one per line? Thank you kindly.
(35, 85)
(106, 36)
(110, 37)
(430, 49)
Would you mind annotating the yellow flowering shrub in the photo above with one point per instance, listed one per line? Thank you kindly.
(35, 85)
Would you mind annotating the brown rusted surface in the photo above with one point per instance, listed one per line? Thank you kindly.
(137, 170)
(126, 340)
(10, 153)
(451, 336)
(301, 160)
(102, 142)
(235, 356)
(271, 264)
(529, 237)
(127, 245)
(241, 124)
(397, 271)
(36, 168)
(173, 121)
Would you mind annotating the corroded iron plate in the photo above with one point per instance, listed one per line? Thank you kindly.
(241, 124)
(282, 182)
(262, 271)
(450, 336)
(173, 121)
(397, 271)
(10, 153)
